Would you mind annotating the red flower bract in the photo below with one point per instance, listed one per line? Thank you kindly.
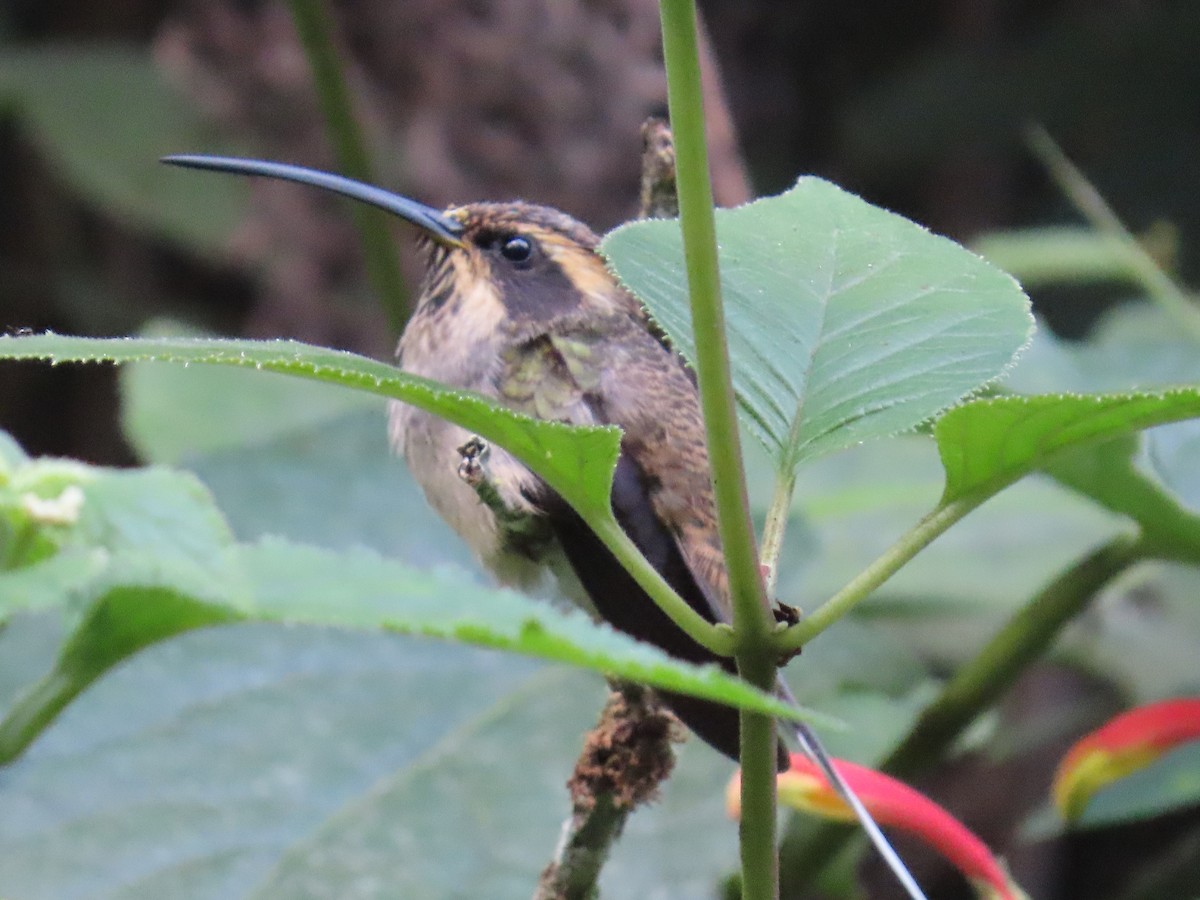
(1122, 745)
(894, 804)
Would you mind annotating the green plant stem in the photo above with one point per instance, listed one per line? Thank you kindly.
(775, 527)
(1024, 638)
(750, 615)
(884, 567)
(980, 682)
(718, 640)
(36, 708)
(756, 827)
(752, 622)
(315, 28)
(1093, 207)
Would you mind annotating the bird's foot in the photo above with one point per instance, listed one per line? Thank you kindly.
(472, 466)
(473, 469)
(520, 530)
(785, 615)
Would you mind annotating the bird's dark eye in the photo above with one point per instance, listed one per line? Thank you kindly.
(516, 249)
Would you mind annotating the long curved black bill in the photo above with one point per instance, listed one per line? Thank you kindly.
(437, 225)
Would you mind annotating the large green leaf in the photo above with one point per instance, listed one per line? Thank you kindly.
(509, 813)
(190, 770)
(103, 114)
(577, 462)
(846, 322)
(266, 752)
(358, 589)
(171, 414)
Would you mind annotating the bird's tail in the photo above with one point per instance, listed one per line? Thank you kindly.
(810, 746)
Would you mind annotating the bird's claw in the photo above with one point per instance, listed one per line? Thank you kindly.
(785, 617)
(472, 467)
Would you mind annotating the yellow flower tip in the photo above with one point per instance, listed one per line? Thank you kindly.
(1123, 745)
(1080, 777)
(810, 792)
(802, 790)
(733, 796)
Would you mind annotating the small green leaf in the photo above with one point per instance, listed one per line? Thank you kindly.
(103, 114)
(846, 322)
(126, 555)
(948, 599)
(576, 462)
(1133, 346)
(988, 444)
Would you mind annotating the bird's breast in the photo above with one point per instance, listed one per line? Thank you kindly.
(468, 359)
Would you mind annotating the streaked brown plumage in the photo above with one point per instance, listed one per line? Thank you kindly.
(524, 310)
(516, 304)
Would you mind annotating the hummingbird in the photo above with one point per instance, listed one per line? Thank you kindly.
(517, 304)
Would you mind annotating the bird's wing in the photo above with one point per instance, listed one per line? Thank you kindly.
(652, 396)
(661, 495)
(617, 373)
